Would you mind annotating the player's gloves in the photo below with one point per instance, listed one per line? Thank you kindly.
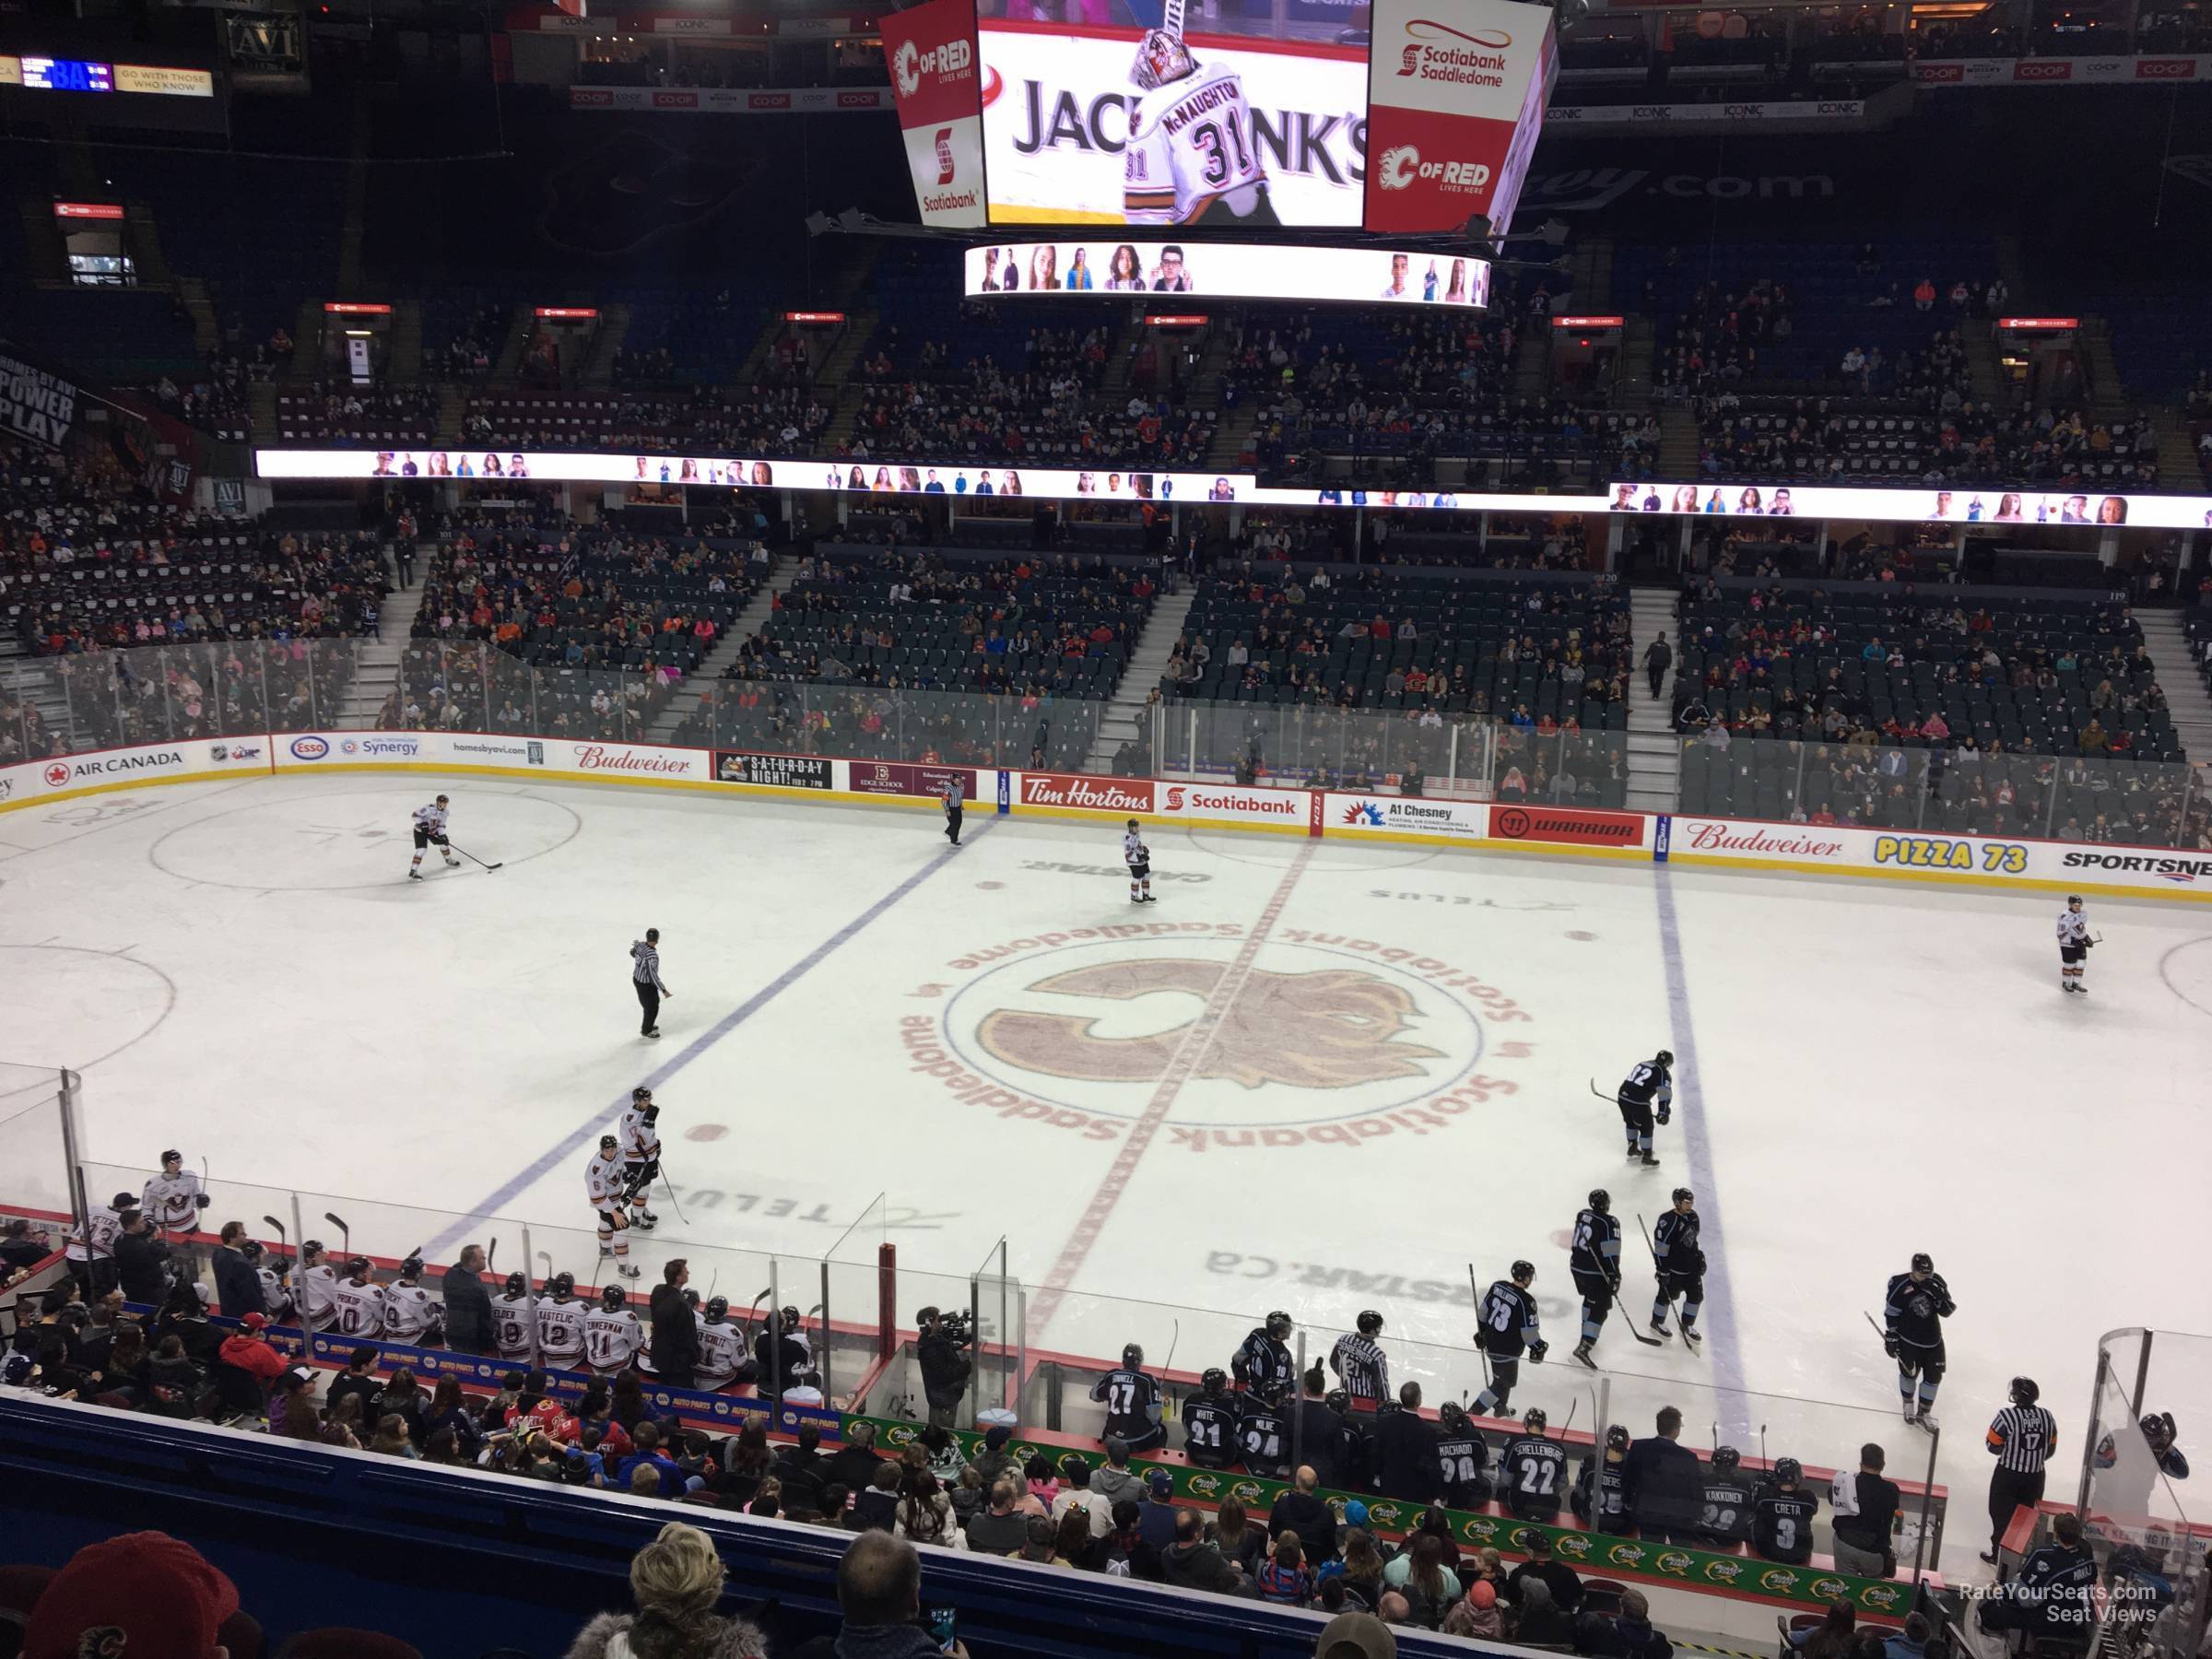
(1665, 1113)
(1891, 1346)
(202, 1200)
(1536, 1350)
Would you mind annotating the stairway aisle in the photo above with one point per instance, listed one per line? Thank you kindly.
(2180, 680)
(782, 573)
(1124, 715)
(1655, 753)
(376, 675)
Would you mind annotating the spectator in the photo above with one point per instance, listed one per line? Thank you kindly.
(359, 1379)
(924, 1512)
(1663, 1483)
(802, 1468)
(1285, 1580)
(1301, 1511)
(1117, 1480)
(1157, 1515)
(1830, 1639)
(853, 1463)
(1003, 1529)
(1910, 1642)
(879, 1594)
(1241, 1543)
(1632, 1630)
(1556, 1575)
(1192, 1563)
(1867, 1510)
(141, 1261)
(1041, 1538)
(677, 1580)
(1124, 1553)
(1076, 1494)
(1536, 1619)
(248, 1349)
(1428, 1587)
(1072, 1542)
(1476, 1614)
(143, 1591)
(1356, 1636)
(467, 1305)
(674, 1331)
(876, 1504)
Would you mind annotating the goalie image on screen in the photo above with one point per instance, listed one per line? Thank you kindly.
(1193, 156)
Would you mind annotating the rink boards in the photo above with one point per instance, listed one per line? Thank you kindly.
(1490, 827)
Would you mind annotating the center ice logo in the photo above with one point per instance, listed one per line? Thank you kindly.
(1332, 1028)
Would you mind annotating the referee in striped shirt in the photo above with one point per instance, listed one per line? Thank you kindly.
(645, 979)
(2020, 1438)
(1362, 1364)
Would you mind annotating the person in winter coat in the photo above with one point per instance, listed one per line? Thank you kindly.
(248, 1348)
(677, 1580)
(1191, 1563)
(1476, 1614)
(879, 1592)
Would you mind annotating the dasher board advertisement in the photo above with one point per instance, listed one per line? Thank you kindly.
(1232, 270)
(1457, 93)
(938, 85)
(1128, 123)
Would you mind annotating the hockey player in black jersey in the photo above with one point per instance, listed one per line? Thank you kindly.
(1781, 1516)
(1461, 1454)
(1725, 1517)
(1132, 1402)
(1356, 1446)
(1509, 1324)
(1209, 1423)
(1263, 1436)
(1646, 1091)
(1594, 1261)
(1681, 1266)
(1265, 1361)
(1405, 1449)
(1600, 1496)
(1533, 1470)
(1912, 1315)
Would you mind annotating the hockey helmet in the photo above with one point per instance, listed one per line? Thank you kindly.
(1533, 1419)
(1276, 1394)
(358, 1268)
(613, 1299)
(1371, 1321)
(1922, 1262)
(792, 1324)
(607, 1143)
(2159, 1428)
(690, 1298)
(517, 1285)
(1726, 1460)
(1133, 1355)
(172, 1156)
(128, 1201)
(1684, 1195)
(2073, 901)
(1161, 57)
(1601, 1201)
(412, 1267)
(251, 1250)
(1451, 1416)
(563, 1286)
(1788, 1471)
(718, 1309)
(1616, 1439)
(1279, 1324)
(1215, 1381)
(640, 1095)
(1523, 1271)
(311, 1250)
(1338, 1401)
(1663, 1057)
(2025, 1392)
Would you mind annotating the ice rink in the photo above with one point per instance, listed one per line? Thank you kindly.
(1315, 1075)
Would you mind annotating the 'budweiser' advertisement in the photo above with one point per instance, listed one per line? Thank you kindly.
(637, 762)
(1456, 100)
(1091, 794)
(937, 82)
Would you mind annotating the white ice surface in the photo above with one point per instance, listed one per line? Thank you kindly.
(242, 970)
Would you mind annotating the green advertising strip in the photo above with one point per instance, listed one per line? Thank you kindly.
(1805, 1587)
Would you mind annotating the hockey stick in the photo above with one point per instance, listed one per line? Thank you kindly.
(282, 1241)
(1646, 1230)
(491, 1256)
(1482, 1353)
(1170, 17)
(1601, 1094)
(474, 860)
(669, 1186)
(345, 1232)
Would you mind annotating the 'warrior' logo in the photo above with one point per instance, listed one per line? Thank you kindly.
(1334, 1028)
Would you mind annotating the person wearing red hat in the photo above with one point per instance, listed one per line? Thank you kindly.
(145, 1594)
(248, 1348)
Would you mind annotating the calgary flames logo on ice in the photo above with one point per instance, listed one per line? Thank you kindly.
(1332, 1028)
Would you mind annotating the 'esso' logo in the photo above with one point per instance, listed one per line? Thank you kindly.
(309, 749)
(56, 775)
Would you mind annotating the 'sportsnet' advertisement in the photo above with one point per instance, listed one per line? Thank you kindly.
(1087, 124)
(937, 84)
(1455, 103)
(1226, 270)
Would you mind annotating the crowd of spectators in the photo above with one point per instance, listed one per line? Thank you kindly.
(214, 400)
(930, 400)
(336, 414)
(468, 355)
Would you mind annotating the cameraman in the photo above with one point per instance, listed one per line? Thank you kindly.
(945, 1369)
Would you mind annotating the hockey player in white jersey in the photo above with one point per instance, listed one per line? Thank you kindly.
(275, 1294)
(606, 1185)
(560, 1325)
(318, 1287)
(88, 1252)
(411, 1313)
(172, 1200)
(641, 1156)
(722, 1346)
(1138, 857)
(360, 1301)
(1193, 156)
(2074, 944)
(613, 1335)
(514, 1321)
(430, 831)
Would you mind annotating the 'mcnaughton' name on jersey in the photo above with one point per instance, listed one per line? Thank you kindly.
(1211, 97)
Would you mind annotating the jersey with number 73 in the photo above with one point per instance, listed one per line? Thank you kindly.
(1191, 144)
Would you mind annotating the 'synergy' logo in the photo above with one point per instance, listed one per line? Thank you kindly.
(1334, 1028)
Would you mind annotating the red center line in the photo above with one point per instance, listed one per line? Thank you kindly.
(1197, 1041)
